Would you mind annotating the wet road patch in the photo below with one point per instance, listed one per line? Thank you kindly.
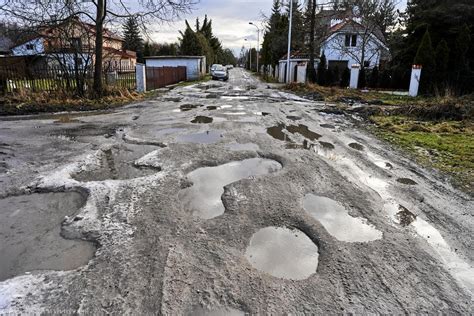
(283, 253)
(406, 181)
(30, 227)
(117, 164)
(202, 120)
(211, 107)
(208, 137)
(356, 146)
(294, 118)
(203, 198)
(189, 107)
(328, 126)
(336, 220)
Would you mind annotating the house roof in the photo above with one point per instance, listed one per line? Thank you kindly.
(350, 25)
(121, 53)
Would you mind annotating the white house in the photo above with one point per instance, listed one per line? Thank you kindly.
(349, 42)
(195, 65)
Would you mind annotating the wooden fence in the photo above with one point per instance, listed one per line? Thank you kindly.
(37, 79)
(158, 77)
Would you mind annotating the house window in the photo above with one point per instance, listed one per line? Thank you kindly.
(30, 46)
(351, 40)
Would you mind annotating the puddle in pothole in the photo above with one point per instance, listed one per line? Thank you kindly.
(202, 120)
(30, 227)
(118, 163)
(406, 181)
(167, 131)
(203, 198)
(283, 253)
(337, 221)
(356, 146)
(303, 130)
(328, 126)
(208, 137)
(277, 132)
(189, 107)
(294, 118)
(327, 145)
(221, 311)
(243, 147)
(404, 216)
(211, 107)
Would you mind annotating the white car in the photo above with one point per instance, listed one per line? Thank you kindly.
(219, 72)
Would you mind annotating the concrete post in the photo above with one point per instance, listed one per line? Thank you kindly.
(301, 75)
(141, 77)
(415, 80)
(355, 70)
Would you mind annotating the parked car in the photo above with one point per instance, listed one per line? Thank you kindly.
(220, 72)
(213, 67)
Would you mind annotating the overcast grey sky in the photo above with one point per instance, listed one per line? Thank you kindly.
(230, 20)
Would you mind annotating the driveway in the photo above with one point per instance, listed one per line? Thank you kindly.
(224, 198)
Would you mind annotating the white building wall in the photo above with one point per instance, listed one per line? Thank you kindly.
(193, 71)
(21, 50)
(334, 49)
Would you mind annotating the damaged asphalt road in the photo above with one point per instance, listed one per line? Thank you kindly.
(230, 198)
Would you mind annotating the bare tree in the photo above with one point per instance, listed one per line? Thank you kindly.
(44, 13)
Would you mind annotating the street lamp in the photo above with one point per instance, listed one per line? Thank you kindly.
(250, 54)
(258, 43)
(289, 44)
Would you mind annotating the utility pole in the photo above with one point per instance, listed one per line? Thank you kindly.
(250, 54)
(258, 44)
(289, 44)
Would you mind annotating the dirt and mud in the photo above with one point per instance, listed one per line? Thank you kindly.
(225, 198)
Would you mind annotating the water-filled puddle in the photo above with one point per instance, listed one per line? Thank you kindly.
(337, 221)
(202, 119)
(283, 253)
(328, 126)
(208, 137)
(277, 132)
(404, 216)
(243, 147)
(118, 163)
(303, 130)
(189, 107)
(167, 131)
(222, 311)
(327, 145)
(294, 118)
(406, 181)
(203, 198)
(356, 146)
(30, 227)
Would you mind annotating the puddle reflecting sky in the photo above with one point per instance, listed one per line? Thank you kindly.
(283, 253)
(337, 221)
(203, 198)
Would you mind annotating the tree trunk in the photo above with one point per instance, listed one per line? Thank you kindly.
(99, 41)
(311, 70)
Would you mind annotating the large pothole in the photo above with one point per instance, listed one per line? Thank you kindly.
(337, 221)
(118, 163)
(283, 253)
(30, 227)
(203, 198)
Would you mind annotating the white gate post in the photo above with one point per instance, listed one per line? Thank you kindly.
(141, 77)
(415, 80)
(355, 70)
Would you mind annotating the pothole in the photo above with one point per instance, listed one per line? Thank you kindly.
(118, 163)
(406, 181)
(202, 119)
(404, 216)
(221, 311)
(189, 107)
(327, 145)
(30, 227)
(328, 126)
(283, 253)
(337, 221)
(203, 198)
(294, 118)
(303, 130)
(207, 137)
(277, 132)
(356, 146)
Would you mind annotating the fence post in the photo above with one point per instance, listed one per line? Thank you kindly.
(141, 77)
(355, 69)
(415, 80)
